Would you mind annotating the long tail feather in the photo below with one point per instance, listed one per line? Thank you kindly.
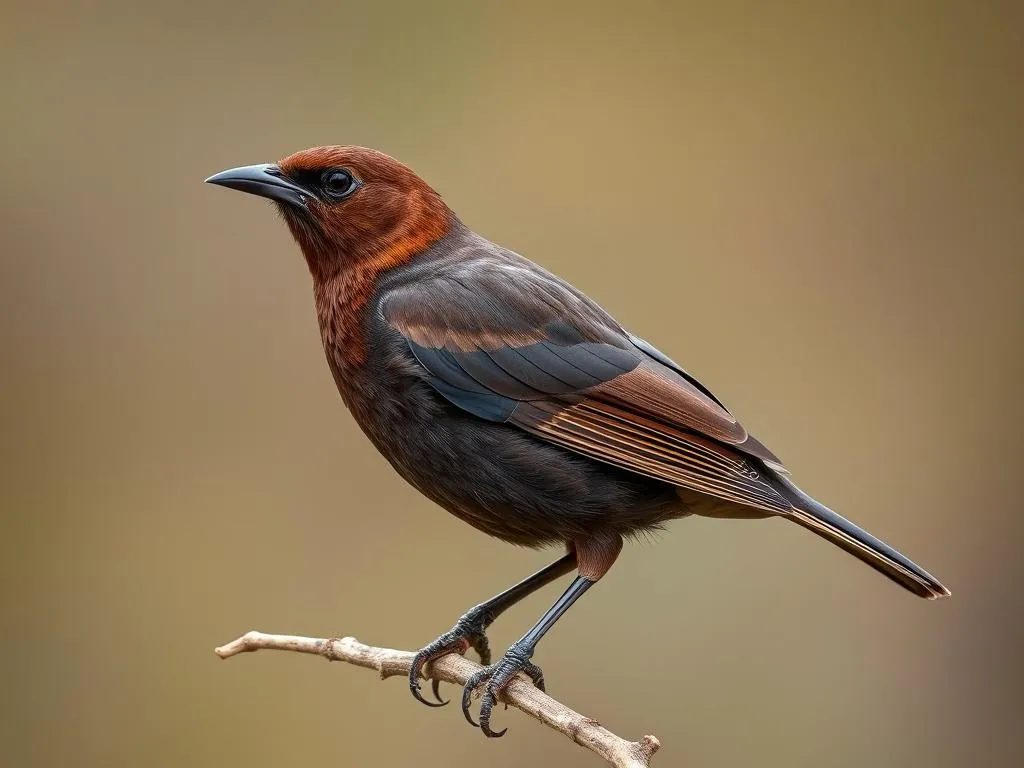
(823, 521)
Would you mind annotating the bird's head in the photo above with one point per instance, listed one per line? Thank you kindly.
(348, 206)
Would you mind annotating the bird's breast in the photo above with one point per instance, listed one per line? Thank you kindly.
(341, 303)
(493, 476)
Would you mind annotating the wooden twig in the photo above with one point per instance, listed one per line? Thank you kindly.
(456, 669)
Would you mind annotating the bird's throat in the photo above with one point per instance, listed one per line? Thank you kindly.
(343, 284)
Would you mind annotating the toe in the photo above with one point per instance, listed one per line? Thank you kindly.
(418, 661)
(496, 678)
(483, 649)
(417, 694)
(536, 674)
(447, 643)
(474, 682)
(486, 705)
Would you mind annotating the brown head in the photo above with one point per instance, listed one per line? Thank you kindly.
(356, 213)
(348, 207)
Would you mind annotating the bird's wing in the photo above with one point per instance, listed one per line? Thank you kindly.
(509, 342)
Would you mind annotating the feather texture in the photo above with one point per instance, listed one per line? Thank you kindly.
(508, 342)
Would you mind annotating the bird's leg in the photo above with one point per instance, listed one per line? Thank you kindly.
(470, 630)
(594, 556)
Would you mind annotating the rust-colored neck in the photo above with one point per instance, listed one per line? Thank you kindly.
(346, 270)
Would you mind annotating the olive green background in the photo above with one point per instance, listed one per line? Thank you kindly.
(818, 208)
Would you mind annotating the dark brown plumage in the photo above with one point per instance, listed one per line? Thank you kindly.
(513, 400)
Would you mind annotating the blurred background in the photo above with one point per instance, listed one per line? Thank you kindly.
(819, 212)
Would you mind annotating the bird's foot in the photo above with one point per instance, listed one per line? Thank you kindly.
(495, 678)
(469, 632)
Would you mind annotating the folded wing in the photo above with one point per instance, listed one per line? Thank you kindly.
(508, 342)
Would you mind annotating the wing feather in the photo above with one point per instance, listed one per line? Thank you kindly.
(618, 437)
(516, 345)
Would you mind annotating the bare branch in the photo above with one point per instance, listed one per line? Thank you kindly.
(452, 668)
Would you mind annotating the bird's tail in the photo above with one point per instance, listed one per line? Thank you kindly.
(859, 543)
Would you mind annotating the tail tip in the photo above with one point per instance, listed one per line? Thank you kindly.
(938, 591)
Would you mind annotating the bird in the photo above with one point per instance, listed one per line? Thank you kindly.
(513, 400)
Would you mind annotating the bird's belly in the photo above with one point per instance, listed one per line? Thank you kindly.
(505, 482)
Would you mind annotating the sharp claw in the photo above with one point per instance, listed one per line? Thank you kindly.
(415, 689)
(467, 701)
(415, 670)
(435, 688)
(472, 684)
(486, 705)
(414, 680)
(467, 633)
(496, 677)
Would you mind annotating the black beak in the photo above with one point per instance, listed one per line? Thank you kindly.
(263, 180)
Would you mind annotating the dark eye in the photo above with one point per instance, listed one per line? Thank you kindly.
(338, 183)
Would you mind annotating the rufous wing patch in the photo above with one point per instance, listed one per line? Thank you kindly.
(653, 389)
(605, 432)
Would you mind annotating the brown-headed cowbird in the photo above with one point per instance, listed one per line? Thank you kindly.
(513, 400)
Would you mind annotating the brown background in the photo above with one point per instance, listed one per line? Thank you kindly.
(818, 212)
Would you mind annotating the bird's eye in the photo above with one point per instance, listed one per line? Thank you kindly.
(338, 183)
